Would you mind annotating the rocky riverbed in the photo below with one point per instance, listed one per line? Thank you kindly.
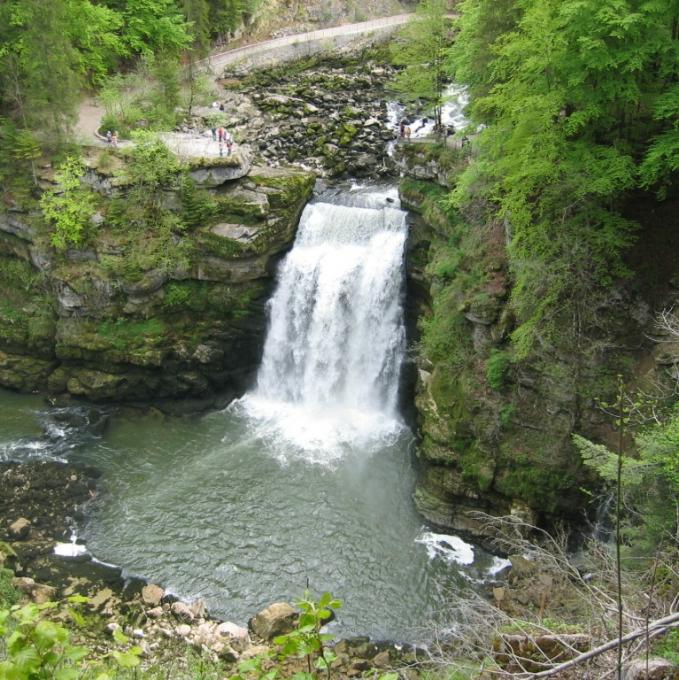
(326, 115)
(39, 503)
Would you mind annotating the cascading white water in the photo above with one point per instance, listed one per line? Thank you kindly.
(330, 371)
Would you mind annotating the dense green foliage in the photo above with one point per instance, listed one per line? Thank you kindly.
(650, 481)
(50, 51)
(579, 103)
(69, 206)
(422, 50)
(36, 645)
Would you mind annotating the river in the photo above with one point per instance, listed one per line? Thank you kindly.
(305, 480)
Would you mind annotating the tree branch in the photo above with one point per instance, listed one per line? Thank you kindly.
(656, 626)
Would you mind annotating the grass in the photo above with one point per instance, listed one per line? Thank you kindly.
(124, 335)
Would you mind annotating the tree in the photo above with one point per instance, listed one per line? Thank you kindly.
(197, 14)
(39, 81)
(155, 26)
(152, 169)
(227, 15)
(94, 31)
(566, 91)
(479, 26)
(422, 48)
(69, 207)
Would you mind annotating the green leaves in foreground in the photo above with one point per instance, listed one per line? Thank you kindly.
(307, 640)
(37, 648)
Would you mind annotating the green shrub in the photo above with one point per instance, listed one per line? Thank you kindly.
(8, 593)
(176, 296)
(506, 413)
(668, 647)
(69, 207)
(198, 206)
(496, 368)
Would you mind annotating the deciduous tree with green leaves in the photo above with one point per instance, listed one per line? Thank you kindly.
(421, 49)
(574, 98)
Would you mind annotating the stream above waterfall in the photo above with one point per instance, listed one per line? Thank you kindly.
(307, 479)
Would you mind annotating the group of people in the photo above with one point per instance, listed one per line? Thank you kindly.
(404, 129)
(224, 137)
(112, 138)
(220, 134)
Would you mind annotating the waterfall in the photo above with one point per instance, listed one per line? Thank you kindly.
(330, 370)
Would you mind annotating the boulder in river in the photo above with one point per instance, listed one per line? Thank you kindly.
(182, 611)
(19, 529)
(152, 594)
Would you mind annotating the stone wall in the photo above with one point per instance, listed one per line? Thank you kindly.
(349, 39)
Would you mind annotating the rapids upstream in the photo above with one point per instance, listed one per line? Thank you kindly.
(307, 478)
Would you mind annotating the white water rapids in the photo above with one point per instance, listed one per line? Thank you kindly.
(330, 372)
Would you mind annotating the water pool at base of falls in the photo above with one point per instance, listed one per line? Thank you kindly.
(306, 479)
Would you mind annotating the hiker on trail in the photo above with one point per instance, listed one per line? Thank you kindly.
(220, 133)
(228, 138)
(109, 135)
(114, 139)
(221, 106)
(407, 132)
(213, 130)
(402, 128)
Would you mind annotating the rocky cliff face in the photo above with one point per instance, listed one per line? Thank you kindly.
(133, 316)
(496, 433)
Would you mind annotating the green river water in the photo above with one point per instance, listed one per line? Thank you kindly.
(206, 509)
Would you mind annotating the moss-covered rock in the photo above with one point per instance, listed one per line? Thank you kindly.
(496, 434)
(149, 310)
(24, 373)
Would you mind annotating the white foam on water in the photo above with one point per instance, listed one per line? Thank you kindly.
(322, 435)
(23, 450)
(498, 564)
(452, 113)
(451, 549)
(70, 549)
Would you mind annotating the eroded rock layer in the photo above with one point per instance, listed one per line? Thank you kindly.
(138, 315)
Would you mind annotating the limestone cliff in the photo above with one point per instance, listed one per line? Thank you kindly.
(134, 315)
(496, 432)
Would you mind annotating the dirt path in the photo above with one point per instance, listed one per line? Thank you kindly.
(89, 118)
(218, 62)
